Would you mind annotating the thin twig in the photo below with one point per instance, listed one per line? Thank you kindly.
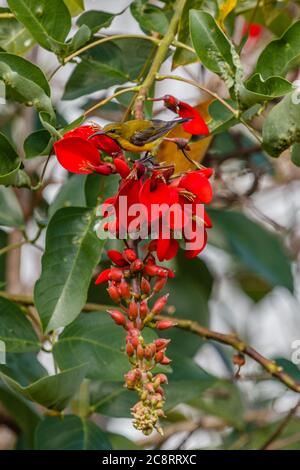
(281, 427)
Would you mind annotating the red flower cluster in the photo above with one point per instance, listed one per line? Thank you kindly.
(197, 125)
(169, 205)
(78, 153)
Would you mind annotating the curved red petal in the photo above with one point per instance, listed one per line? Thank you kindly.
(197, 126)
(196, 183)
(161, 194)
(192, 253)
(122, 167)
(77, 155)
(106, 144)
(84, 131)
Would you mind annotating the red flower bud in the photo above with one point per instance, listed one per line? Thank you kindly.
(145, 286)
(103, 276)
(159, 356)
(162, 378)
(140, 352)
(160, 284)
(150, 351)
(165, 361)
(129, 349)
(116, 257)
(161, 343)
(134, 340)
(149, 387)
(133, 310)
(151, 270)
(137, 265)
(118, 317)
(144, 310)
(115, 274)
(113, 293)
(160, 304)
(129, 255)
(165, 324)
(124, 289)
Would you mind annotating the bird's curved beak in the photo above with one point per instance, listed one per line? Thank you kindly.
(96, 133)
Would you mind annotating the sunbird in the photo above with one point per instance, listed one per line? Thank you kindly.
(140, 135)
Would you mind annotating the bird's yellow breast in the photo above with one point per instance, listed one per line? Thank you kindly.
(127, 145)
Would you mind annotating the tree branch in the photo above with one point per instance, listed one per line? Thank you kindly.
(159, 58)
(188, 325)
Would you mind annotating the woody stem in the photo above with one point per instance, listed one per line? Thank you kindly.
(159, 58)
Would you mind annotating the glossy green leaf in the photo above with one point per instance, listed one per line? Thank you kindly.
(48, 22)
(9, 161)
(112, 63)
(93, 338)
(10, 209)
(80, 38)
(14, 37)
(72, 252)
(150, 17)
(70, 433)
(281, 128)
(260, 250)
(25, 368)
(72, 193)
(222, 118)
(95, 19)
(15, 329)
(22, 411)
(257, 90)
(214, 48)
(281, 54)
(53, 392)
(181, 56)
(38, 143)
(295, 154)
(25, 82)
(75, 6)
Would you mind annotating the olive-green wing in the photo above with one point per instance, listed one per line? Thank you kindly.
(156, 129)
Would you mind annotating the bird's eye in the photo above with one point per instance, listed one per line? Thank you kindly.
(113, 131)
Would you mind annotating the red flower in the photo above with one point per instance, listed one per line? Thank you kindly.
(197, 125)
(78, 153)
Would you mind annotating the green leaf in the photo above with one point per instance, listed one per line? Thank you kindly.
(10, 210)
(257, 90)
(95, 19)
(75, 7)
(222, 118)
(150, 17)
(281, 54)
(295, 155)
(261, 251)
(72, 193)
(93, 338)
(22, 411)
(15, 329)
(14, 37)
(9, 161)
(281, 128)
(81, 37)
(48, 22)
(70, 433)
(53, 392)
(24, 368)
(112, 63)
(213, 48)
(72, 252)
(25, 82)
(38, 143)
(182, 56)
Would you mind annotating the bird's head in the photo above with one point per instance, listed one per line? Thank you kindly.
(113, 130)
